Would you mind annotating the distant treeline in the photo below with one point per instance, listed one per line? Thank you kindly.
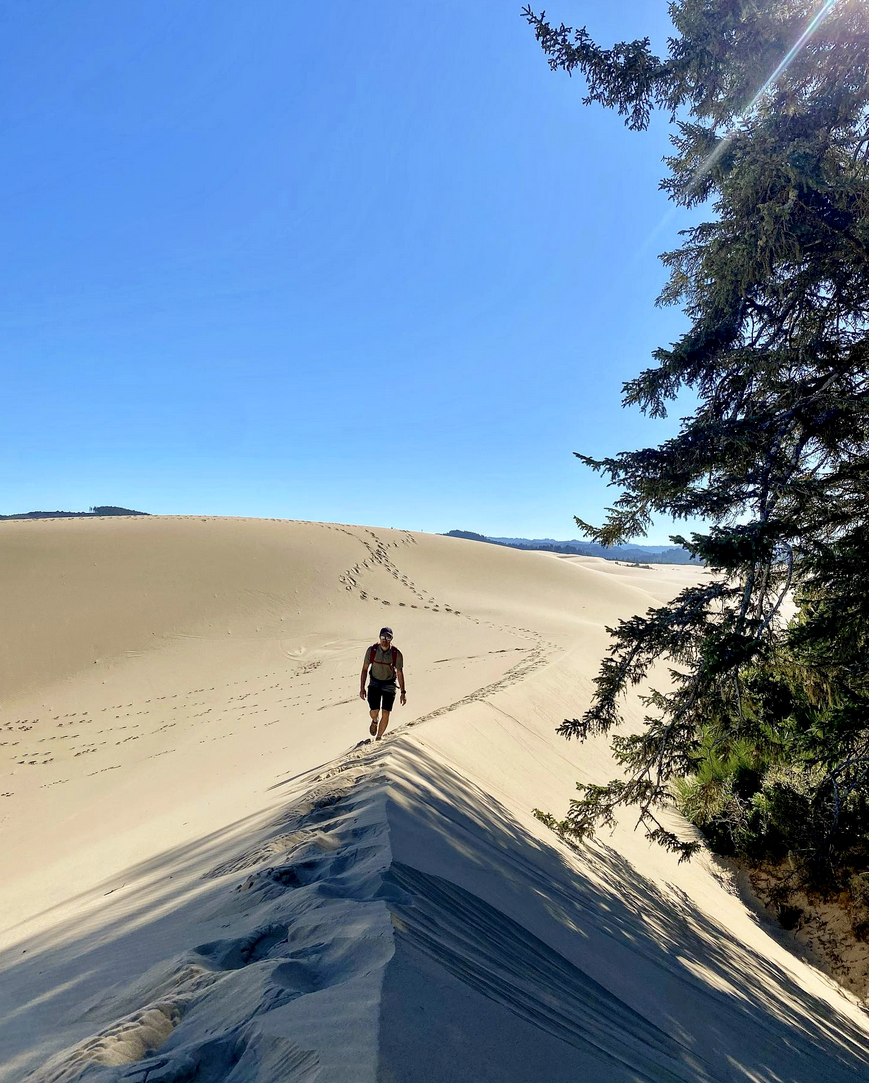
(632, 554)
(106, 509)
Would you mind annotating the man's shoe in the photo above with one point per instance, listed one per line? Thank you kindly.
(372, 729)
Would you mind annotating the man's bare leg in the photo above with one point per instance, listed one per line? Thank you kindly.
(374, 720)
(384, 722)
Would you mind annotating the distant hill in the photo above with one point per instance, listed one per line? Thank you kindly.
(631, 554)
(106, 509)
(469, 535)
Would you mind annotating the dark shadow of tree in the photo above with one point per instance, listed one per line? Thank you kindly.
(738, 1011)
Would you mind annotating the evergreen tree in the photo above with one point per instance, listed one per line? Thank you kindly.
(769, 103)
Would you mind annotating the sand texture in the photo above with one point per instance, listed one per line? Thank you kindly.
(212, 875)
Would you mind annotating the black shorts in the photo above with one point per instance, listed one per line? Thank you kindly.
(381, 694)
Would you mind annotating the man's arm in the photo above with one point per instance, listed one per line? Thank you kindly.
(400, 674)
(362, 681)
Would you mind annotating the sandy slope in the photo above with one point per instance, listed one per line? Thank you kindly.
(208, 878)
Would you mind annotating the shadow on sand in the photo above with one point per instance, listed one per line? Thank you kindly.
(574, 946)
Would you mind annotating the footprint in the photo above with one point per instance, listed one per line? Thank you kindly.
(234, 954)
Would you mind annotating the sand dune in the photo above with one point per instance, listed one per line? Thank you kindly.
(212, 874)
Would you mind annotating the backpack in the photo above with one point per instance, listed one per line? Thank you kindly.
(372, 654)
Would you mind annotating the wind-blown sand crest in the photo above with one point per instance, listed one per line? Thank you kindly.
(211, 873)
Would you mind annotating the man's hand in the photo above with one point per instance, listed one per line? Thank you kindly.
(403, 698)
(362, 693)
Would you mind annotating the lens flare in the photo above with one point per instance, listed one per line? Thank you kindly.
(714, 155)
(822, 13)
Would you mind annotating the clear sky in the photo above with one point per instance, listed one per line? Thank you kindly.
(369, 263)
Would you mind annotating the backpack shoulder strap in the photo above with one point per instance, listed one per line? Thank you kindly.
(372, 654)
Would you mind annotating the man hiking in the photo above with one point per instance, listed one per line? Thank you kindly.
(387, 665)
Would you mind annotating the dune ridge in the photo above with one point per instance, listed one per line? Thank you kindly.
(235, 884)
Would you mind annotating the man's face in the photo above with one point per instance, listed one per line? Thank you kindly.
(385, 641)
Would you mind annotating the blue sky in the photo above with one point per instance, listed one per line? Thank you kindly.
(367, 263)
